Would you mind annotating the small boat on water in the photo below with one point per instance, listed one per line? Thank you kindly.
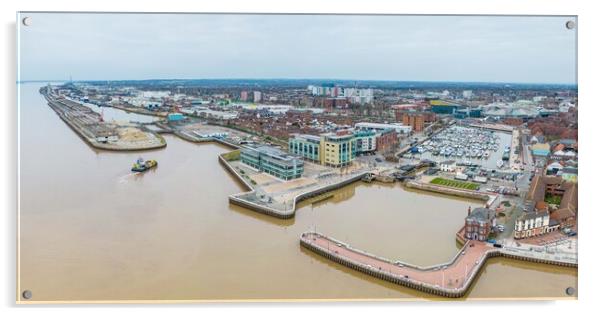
(140, 165)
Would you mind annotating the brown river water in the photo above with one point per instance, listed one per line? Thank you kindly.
(92, 231)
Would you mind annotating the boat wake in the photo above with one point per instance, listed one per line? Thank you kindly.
(127, 178)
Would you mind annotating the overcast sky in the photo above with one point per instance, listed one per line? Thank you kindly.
(408, 48)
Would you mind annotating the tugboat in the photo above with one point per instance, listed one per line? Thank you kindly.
(140, 165)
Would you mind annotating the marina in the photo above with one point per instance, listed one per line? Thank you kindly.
(226, 157)
(466, 145)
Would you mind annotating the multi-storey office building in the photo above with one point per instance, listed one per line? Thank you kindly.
(366, 141)
(327, 149)
(337, 150)
(306, 146)
(272, 161)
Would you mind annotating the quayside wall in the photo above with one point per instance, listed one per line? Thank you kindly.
(450, 191)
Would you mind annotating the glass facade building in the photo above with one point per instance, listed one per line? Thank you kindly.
(272, 161)
(306, 146)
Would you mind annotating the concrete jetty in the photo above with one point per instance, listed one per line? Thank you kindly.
(451, 279)
(247, 200)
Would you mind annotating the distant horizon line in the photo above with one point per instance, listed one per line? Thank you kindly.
(305, 79)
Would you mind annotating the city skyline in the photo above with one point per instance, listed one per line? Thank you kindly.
(353, 47)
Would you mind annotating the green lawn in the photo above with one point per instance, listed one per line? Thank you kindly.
(233, 155)
(455, 184)
(553, 199)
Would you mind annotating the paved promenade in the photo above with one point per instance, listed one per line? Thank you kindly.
(455, 275)
(451, 279)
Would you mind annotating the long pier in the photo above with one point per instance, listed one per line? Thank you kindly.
(452, 279)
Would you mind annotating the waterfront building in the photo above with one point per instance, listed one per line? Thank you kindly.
(272, 161)
(381, 127)
(366, 141)
(330, 149)
(306, 146)
(479, 223)
(540, 218)
(386, 140)
(337, 150)
(534, 223)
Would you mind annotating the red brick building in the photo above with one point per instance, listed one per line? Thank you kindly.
(386, 141)
(565, 214)
(415, 119)
(330, 103)
(479, 223)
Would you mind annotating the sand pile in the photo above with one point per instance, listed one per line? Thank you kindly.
(132, 134)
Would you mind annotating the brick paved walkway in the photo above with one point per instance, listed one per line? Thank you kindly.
(452, 275)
